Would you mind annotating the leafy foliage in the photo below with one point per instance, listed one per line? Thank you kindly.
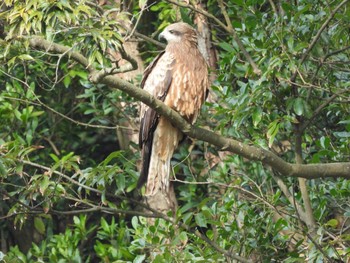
(69, 191)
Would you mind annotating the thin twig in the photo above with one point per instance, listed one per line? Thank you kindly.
(143, 8)
(320, 108)
(68, 178)
(273, 7)
(54, 111)
(308, 235)
(317, 36)
(289, 196)
(149, 39)
(132, 65)
(336, 52)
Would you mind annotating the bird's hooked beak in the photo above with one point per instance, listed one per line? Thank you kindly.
(161, 37)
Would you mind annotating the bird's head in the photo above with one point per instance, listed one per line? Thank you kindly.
(178, 32)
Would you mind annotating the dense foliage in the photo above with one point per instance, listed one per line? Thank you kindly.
(68, 183)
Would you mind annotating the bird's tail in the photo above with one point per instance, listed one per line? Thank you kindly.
(156, 156)
(146, 159)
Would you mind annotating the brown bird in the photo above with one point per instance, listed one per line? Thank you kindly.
(179, 77)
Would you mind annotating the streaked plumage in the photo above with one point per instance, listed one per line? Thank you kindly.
(179, 77)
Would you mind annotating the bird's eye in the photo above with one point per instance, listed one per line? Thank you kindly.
(174, 32)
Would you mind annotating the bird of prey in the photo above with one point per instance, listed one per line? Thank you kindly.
(178, 76)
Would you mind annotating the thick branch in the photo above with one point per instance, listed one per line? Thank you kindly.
(43, 44)
(250, 152)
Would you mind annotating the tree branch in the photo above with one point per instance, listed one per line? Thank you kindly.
(253, 153)
(307, 212)
(43, 44)
(132, 65)
(250, 152)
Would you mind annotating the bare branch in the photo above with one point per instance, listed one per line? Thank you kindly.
(102, 209)
(143, 8)
(335, 52)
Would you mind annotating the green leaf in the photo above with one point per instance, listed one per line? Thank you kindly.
(342, 134)
(11, 62)
(3, 170)
(201, 220)
(39, 225)
(139, 258)
(104, 225)
(44, 183)
(257, 116)
(121, 182)
(332, 223)
(76, 220)
(344, 122)
(110, 157)
(131, 187)
(227, 47)
(135, 222)
(66, 81)
(298, 106)
(183, 237)
(99, 57)
(325, 142)
(25, 57)
(185, 15)
(273, 129)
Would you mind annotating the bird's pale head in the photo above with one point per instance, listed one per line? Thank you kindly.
(178, 32)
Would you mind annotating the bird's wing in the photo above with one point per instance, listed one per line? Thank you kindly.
(156, 80)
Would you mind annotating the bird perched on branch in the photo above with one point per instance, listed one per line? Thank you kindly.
(178, 76)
